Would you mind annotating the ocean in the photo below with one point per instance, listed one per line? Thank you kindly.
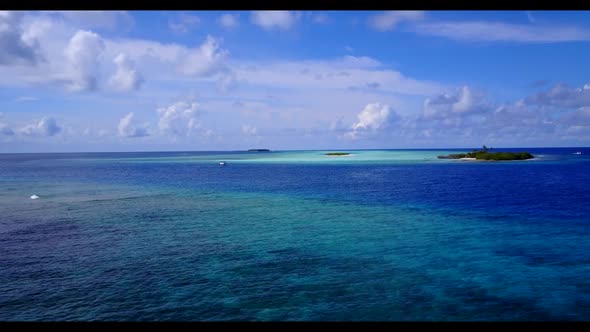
(380, 235)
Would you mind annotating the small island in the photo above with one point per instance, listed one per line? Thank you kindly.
(337, 154)
(259, 150)
(485, 154)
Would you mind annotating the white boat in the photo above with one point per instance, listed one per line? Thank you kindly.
(34, 197)
(222, 163)
(577, 152)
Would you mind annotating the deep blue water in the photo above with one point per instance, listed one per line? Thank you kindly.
(383, 235)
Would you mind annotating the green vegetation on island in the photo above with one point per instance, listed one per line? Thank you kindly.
(485, 154)
(337, 154)
(258, 150)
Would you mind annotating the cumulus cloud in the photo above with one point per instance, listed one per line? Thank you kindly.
(229, 21)
(373, 116)
(467, 116)
(82, 56)
(47, 126)
(179, 119)
(126, 77)
(205, 60)
(562, 95)
(184, 23)
(79, 60)
(371, 119)
(388, 20)
(16, 47)
(463, 101)
(127, 127)
(274, 19)
(466, 101)
(460, 115)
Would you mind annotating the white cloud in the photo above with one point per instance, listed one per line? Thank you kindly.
(209, 63)
(179, 119)
(373, 116)
(229, 21)
(16, 47)
(468, 116)
(128, 129)
(359, 61)
(464, 100)
(155, 59)
(184, 23)
(126, 77)
(271, 19)
(371, 119)
(248, 130)
(562, 95)
(82, 56)
(148, 50)
(499, 31)
(339, 74)
(206, 60)
(47, 126)
(82, 66)
(388, 20)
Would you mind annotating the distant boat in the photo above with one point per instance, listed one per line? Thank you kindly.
(577, 152)
(222, 163)
(34, 197)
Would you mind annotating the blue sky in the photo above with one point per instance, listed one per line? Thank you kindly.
(212, 80)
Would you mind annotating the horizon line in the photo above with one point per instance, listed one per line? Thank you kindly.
(296, 150)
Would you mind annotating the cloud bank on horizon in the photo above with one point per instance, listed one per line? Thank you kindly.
(120, 81)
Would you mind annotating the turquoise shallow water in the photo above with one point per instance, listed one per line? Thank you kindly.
(396, 236)
(302, 157)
